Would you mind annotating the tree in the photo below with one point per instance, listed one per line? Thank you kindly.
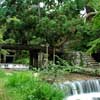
(26, 23)
(52, 22)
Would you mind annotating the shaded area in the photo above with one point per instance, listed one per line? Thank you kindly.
(96, 56)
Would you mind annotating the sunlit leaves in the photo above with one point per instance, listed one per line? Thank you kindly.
(10, 41)
(24, 19)
(95, 4)
(94, 46)
(14, 23)
(2, 30)
(96, 22)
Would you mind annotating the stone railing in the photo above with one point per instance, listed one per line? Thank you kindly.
(14, 66)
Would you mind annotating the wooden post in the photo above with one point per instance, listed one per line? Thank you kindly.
(47, 52)
(54, 55)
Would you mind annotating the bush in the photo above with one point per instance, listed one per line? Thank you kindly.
(18, 79)
(2, 73)
(22, 61)
(23, 86)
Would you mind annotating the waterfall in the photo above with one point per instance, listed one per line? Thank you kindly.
(88, 96)
(82, 88)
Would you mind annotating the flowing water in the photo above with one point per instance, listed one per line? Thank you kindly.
(82, 90)
(88, 96)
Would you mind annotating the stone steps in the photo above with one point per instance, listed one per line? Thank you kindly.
(90, 61)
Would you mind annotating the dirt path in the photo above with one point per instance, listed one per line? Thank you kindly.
(68, 77)
(74, 76)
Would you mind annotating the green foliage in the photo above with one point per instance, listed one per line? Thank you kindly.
(17, 79)
(96, 22)
(84, 34)
(95, 4)
(10, 41)
(14, 23)
(58, 69)
(22, 61)
(4, 52)
(81, 3)
(29, 88)
(66, 67)
(36, 40)
(2, 30)
(94, 46)
(22, 57)
(24, 22)
(2, 73)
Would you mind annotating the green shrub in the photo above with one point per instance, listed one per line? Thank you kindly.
(22, 61)
(18, 79)
(23, 86)
(2, 73)
(44, 91)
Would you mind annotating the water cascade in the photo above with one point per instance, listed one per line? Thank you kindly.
(82, 90)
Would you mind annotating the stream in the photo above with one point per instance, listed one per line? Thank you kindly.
(88, 96)
(81, 90)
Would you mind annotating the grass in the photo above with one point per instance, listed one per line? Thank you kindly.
(3, 93)
(23, 86)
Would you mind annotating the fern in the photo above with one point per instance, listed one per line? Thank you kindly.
(94, 46)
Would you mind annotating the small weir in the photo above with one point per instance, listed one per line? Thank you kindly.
(82, 90)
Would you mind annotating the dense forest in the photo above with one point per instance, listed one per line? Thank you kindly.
(53, 22)
(49, 49)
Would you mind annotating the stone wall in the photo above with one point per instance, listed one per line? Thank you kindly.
(80, 59)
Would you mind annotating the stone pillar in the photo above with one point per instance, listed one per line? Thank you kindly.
(45, 60)
(47, 54)
(40, 59)
(77, 58)
(4, 58)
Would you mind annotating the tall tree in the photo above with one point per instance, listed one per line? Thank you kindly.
(26, 22)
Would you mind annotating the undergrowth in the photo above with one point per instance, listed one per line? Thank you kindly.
(23, 86)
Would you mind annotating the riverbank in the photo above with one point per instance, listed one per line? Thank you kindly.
(23, 85)
(60, 77)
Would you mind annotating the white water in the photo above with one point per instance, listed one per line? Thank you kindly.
(82, 90)
(88, 96)
(14, 66)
